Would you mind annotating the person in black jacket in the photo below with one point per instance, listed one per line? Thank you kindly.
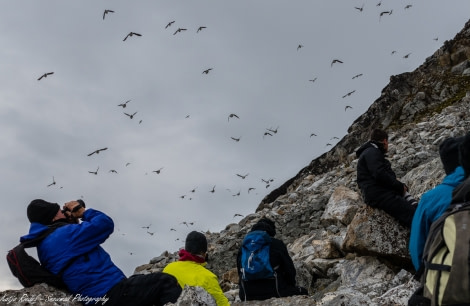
(378, 183)
(284, 284)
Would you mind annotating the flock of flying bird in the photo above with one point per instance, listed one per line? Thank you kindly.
(268, 131)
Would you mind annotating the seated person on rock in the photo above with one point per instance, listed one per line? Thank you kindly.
(378, 183)
(190, 268)
(282, 283)
(434, 202)
(74, 250)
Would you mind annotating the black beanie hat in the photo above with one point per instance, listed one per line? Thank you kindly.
(196, 243)
(449, 153)
(41, 211)
(267, 225)
(464, 154)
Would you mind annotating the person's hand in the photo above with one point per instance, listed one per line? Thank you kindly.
(74, 209)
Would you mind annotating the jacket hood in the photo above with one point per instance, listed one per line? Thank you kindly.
(35, 229)
(369, 144)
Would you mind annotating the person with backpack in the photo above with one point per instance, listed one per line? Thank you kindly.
(434, 202)
(265, 268)
(74, 250)
(378, 183)
(190, 268)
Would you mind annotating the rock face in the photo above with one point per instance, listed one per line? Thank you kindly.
(345, 252)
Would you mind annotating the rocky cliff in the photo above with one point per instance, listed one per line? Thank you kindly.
(345, 252)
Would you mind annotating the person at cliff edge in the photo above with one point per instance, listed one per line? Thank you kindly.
(378, 183)
(74, 250)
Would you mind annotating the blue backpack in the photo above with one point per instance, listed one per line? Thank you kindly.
(255, 262)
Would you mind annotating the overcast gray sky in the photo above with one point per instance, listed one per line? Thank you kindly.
(182, 124)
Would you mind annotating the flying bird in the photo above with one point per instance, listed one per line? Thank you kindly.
(97, 151)
(158, 171)
(94, 172)
(193, 190)
(313, 134)
(349, 93)
(45, 75)
(206, 71)
(379, 4)
(273, 131)
(150, 233)
(250, 189)
(312, 80)
(356, 76)
(123, 105)
(106, 12)
(169, 24)
(200, 29)
(359, 8)
(232, 116)
(213, 189)
(236, 195)
(436, 39)
(346, 107)
(237, 215)
(236, 139)
(393, 52)
(179, 30)
(148, 226)
(113, 171)
(299, 46)
(131, 34)
(408, 6)
(242, 176)
(267, 133)
(406, 56)
(53, 182)
(385, 12)
(336, 61)
(127, 164)
(130, 116)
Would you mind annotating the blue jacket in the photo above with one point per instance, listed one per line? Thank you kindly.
(93, 273)
(432, 205)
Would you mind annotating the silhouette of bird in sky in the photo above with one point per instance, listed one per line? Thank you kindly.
(123, 105)
(106, 12)
(200, 29)
(328, 144)
(349, 93)
(299, 46)
(45, 75)
(385, 12)
(267, 134)
(242, 176)
(193, 190)
(408, 6)
(127, 164)
(356, 76)
(148, 226)
(232, 116)
(436, 39)
(150, 233)
(407, 55)
(313, 80)
(131, 34)
(359, 8)
(250, 189)
(206, 71)
(346, 107)
(169, 24)
(158, 171)
(236, 139)
(379, 4)
(97, 151)
(336, 61)
(94, 172)
(237, 215)
(273, 131)
(313, 134)
(172, 229)
(113, 171)
(393, 52)
(236, 195)
(53, 182)
(213, 189)
(130, 116)
(179, 30)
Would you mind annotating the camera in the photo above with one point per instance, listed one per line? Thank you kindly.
(69, 217)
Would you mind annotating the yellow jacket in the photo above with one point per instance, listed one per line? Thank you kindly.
(195, 274)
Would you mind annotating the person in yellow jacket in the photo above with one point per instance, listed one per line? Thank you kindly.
(190, 268)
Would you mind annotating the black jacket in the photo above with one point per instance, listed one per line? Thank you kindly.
(266, 288)
(374, 172)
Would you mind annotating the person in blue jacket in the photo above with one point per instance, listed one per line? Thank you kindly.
(434, 202)
(89, 274)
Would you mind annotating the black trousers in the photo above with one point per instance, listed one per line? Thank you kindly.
(145, 290)
(393, 204)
